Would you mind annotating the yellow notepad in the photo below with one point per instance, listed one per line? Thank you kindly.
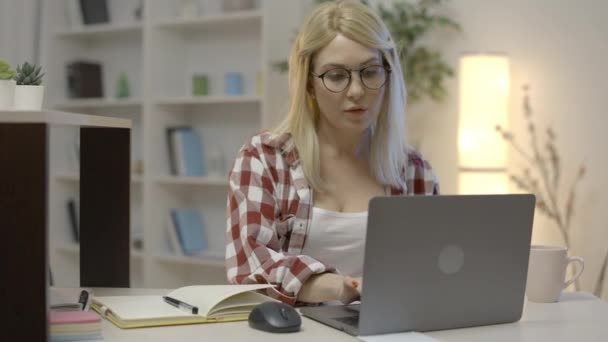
(216, 303)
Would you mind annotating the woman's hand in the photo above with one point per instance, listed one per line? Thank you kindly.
(351, 289)
(329, 286)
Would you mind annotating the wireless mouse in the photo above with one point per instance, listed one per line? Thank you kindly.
(275, 317)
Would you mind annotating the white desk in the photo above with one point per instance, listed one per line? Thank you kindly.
(578, 317)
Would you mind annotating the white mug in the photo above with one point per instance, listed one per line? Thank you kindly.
(547, 273)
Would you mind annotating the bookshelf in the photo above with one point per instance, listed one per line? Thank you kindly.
(159, 54)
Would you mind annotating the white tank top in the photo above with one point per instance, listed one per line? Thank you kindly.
(337, 239)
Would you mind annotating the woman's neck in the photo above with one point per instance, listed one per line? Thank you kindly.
(344, 145)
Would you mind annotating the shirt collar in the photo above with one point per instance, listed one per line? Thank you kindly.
(281, 142)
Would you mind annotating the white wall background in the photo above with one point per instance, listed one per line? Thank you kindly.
(18, 25)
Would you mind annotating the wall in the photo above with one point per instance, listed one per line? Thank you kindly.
(18, 24)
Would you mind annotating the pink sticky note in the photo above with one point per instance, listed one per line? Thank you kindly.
(71, 317)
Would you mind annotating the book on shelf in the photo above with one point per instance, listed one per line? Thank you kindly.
(172, 148)
(186, 153)
(172, 240)
(94, 11)
(187, 223)
(74, 218)
(84, 79)
(213, 303)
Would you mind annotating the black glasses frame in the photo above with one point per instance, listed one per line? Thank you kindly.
(350, 76)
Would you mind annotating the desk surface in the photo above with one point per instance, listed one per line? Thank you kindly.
(577, 317)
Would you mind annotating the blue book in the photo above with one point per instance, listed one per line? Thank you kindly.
(192, 153)
(188, 224)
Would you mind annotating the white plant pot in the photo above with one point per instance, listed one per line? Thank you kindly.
(7, 94)
(28, 97)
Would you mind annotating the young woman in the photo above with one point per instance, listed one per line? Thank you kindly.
(298, 194)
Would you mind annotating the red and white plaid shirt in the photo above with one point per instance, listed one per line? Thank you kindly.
(269, 212)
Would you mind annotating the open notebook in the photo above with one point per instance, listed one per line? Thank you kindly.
(216, 303)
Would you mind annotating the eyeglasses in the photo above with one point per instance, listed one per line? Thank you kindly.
(338, 79)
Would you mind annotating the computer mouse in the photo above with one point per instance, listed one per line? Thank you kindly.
(275, 317)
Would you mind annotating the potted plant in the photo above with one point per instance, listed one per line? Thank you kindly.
(29, 91)
(7, 85)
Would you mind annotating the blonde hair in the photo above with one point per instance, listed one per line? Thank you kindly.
(359, 23)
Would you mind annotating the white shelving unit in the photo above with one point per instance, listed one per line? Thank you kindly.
(159, 54)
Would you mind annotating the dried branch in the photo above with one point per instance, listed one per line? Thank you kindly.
(543, 174)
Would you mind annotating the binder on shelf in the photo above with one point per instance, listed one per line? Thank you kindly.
(172, 145)
(94, 11)
(190, 230)
(74, 218)
(186, 154)
(84, 79)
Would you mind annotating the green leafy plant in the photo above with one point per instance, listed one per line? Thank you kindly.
(6, 72)
(29, 74)
(409, 22)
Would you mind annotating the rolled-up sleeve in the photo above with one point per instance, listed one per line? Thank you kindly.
(420, 177)
(253, 249)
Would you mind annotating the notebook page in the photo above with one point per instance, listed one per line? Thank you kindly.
(206, 297)
(240, 303)
(140, 307)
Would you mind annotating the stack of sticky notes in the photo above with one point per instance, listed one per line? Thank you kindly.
(74, 326)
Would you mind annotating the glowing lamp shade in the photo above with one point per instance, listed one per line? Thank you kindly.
(477, 182)
(484, 97)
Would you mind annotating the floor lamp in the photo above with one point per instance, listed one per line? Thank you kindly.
(484, 100)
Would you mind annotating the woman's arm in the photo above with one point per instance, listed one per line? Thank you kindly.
(253, 250)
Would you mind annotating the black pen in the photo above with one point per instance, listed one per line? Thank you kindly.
(83, 299)
(181, 305)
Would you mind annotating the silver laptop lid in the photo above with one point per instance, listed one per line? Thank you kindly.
(443, 262)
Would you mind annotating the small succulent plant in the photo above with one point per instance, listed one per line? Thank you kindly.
(6, 72)
(29, 74)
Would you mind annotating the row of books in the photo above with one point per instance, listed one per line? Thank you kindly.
(186, 231)
(186, 154)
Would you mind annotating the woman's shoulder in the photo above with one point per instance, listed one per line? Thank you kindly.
(267, 141)
(416, 159)
(270, 148)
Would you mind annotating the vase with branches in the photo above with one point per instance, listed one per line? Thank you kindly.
(542, 177)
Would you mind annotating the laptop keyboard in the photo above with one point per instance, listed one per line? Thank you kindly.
(353, 315)
(353, 308)
(353, 321)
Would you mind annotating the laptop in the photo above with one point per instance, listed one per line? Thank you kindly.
(439, 262)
